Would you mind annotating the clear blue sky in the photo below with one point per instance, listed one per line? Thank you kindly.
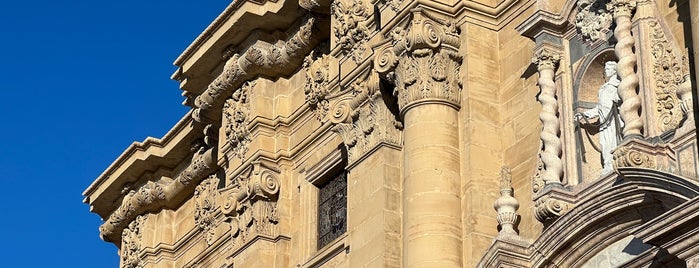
(81, 80)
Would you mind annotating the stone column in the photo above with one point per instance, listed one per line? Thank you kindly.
(546, 61)
(423, 63)
(628, 87)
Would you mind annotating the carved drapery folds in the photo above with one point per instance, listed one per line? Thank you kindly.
(236, 112)
(423, 62)
(593, 19)
(547, 60)
(669, 76)
(626, 67)
(506, 205)
(131, 243)
(153, 196)
(206, 207)
(352, 21)
(251, 204)
(260, 59)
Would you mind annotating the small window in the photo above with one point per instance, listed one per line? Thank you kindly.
(332, 209)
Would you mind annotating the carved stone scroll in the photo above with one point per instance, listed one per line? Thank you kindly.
(251, 204)
(352, 21)
(236, 112)
(669, 75)
(546, 61)
(626, 68)
(547, 209)
(644, 154)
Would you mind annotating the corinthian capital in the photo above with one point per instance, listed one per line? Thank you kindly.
(622, 8)
(546, 58)
(422, 60)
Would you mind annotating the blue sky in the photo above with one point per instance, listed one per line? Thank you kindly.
(81, 80)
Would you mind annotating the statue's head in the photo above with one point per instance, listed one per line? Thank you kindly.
(609, 69)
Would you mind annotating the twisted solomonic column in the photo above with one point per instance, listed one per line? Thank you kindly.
(546, 61)
(631, 102)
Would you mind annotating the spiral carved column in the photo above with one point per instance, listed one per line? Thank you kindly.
(547, 61)
(423, 63)
(631, 102)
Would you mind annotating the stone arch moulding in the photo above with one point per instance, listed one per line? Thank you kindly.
(599, 219)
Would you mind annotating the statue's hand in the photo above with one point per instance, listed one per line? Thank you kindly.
(578, 117)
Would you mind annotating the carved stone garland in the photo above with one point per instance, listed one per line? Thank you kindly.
(593, 19)
(626, 68)
(206, 207)
(317, 68)
(547, 61)
(251, 205)
(236, 112)
(352, 19)
(669, 74)
(131, 243)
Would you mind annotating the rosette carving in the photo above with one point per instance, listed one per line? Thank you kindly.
(131, 243)
(547, 62)
(236, 112)
(206, 208)
(669, 75)
(251, 204)
(626, 67)
(422, 61)
(593, 19)
(352, 21)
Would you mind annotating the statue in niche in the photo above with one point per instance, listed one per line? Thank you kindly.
(607, 112)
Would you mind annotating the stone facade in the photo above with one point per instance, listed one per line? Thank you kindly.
(400, 133)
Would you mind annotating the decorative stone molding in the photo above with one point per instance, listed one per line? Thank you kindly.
(547, 209)
(206, 207)
(236, 112)
(423, 61)
(251, 204)
(593, 19)
(315, 5)
(642, 153)
(546, 60)
(506, 206)
(131, 243)
(668, 72)
(153, 196)
(363, 119)
(352, 21)
(317, 68)
(260, 59)
(626, 67)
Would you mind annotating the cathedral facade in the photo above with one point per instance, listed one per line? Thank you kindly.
(410, 133)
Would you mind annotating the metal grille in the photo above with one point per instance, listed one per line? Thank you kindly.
(332, 209)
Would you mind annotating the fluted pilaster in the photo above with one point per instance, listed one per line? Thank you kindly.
(626, 68)
(547, 61)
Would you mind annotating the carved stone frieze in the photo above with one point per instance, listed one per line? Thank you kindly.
(251, 204)
(352, 20)
(668, 73)
(644, 154)
(206, 207)
(317, 68)
(547, 209)
(423, 61)
(131, 243)
(593, 19)
(236, 112)
(546, 60)
(506, 205)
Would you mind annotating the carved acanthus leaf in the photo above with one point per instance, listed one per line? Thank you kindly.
(317, 68)
(668, 72)
(352, 20)
(593, 20)
(251, 204)
(206, 207)
(131, 243)
(236, 112)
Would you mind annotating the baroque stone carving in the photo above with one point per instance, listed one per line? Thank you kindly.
(423, 61)
(131, 243)
(351, 26)
(627, 157)
(153, 196)
(317, 68)
(260, 59)
(669, 74)
(546, 61)
(537, 182)
(547, 209)
(593, 19)
(506, 205)
(251, 204)
(206, 207)
(236, 112)
(626, 67)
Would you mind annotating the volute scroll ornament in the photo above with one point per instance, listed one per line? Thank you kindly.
(670, 75)
(547, 209)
